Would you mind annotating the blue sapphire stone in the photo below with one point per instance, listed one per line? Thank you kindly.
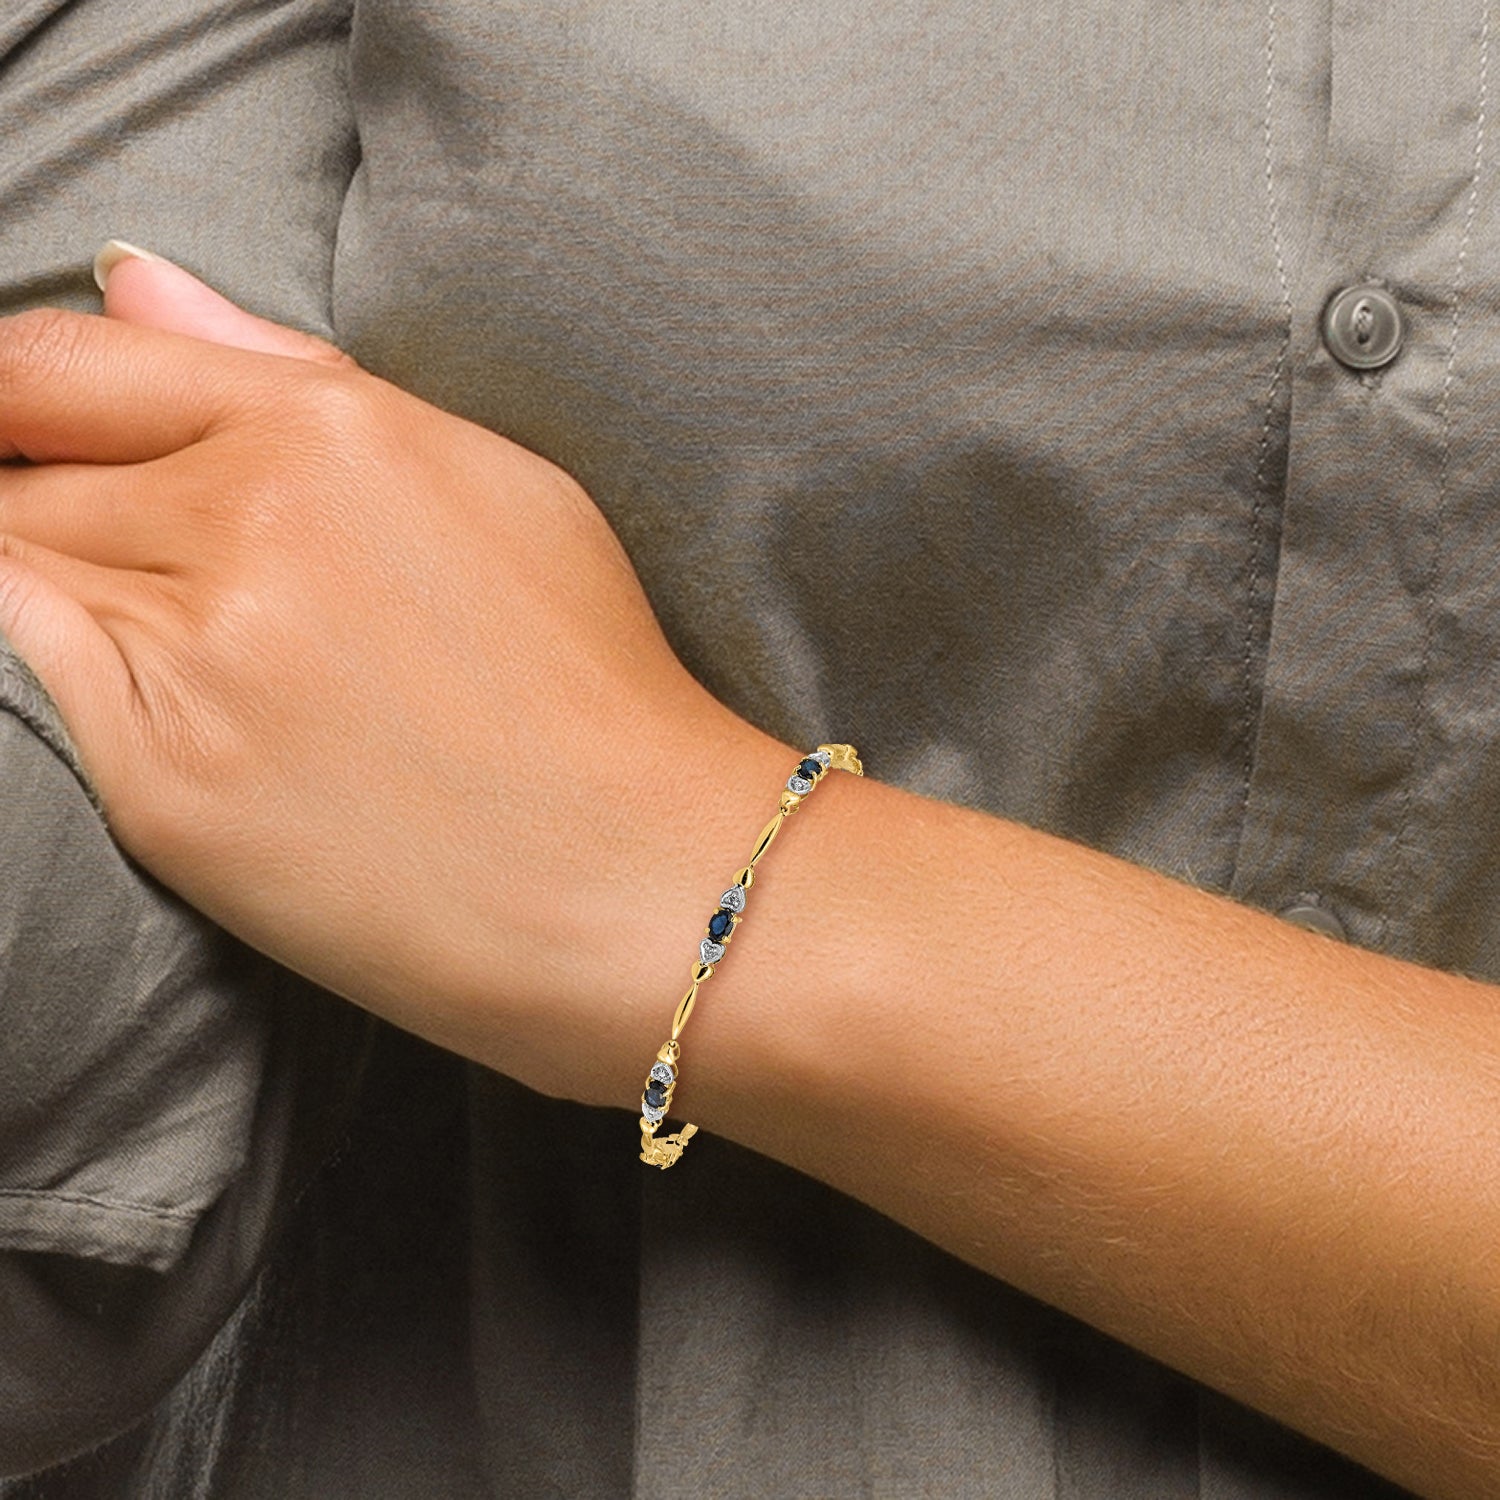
(809, 770)
(720, 923)
(656, 1095)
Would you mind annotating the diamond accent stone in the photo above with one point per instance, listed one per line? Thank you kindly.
(662, 1073)
(822, 757)
(733, 899)
(653, 1116)
(799, 784)
(709, 951)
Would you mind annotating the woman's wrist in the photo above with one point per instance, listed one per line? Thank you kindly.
(595, 947)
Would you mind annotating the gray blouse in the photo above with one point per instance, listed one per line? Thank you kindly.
(956, 375)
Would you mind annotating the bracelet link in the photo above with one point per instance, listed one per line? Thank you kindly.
(766, 839)
(684, 1010)
(843, 758)
(661, 1081)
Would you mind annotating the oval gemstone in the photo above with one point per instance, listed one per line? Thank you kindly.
(656, 1096)
(720, 923)
(808, 770)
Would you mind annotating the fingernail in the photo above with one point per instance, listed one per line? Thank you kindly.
(113, 252)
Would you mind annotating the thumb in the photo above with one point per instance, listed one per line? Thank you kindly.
(140, 287)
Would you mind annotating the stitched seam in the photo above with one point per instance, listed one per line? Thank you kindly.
(1263, 452)
(1401, 863)
(82, 1200)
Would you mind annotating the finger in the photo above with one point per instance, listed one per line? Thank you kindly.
(101, 592)
(45, 615)
(100, 514)
(144, 289)
(90, 389)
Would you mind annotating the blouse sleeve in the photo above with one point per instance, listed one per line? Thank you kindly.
(156, 1109)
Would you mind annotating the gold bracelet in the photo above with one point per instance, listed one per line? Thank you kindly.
(662, 1079)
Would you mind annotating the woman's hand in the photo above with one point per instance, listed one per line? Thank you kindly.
(373, 687)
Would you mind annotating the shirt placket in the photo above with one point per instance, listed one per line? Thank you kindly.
(1339, 819)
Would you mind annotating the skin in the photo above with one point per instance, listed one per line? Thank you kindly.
(380, 692)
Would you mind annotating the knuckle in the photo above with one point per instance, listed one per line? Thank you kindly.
(333, 402)
(329, 425)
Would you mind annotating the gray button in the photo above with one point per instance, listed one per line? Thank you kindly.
(1363, 327)
(1314, 919)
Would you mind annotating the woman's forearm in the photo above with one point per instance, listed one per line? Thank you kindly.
(395, 709)
(1264, 1157)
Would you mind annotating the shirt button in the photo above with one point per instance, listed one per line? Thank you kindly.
(1314, 919)
(1363, 327)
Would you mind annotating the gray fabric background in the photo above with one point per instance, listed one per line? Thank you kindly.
(951, 374)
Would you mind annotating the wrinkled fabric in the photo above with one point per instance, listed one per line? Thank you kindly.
(164, 1092)
(952, 375)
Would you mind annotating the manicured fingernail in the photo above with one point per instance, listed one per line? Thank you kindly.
(113, 252)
